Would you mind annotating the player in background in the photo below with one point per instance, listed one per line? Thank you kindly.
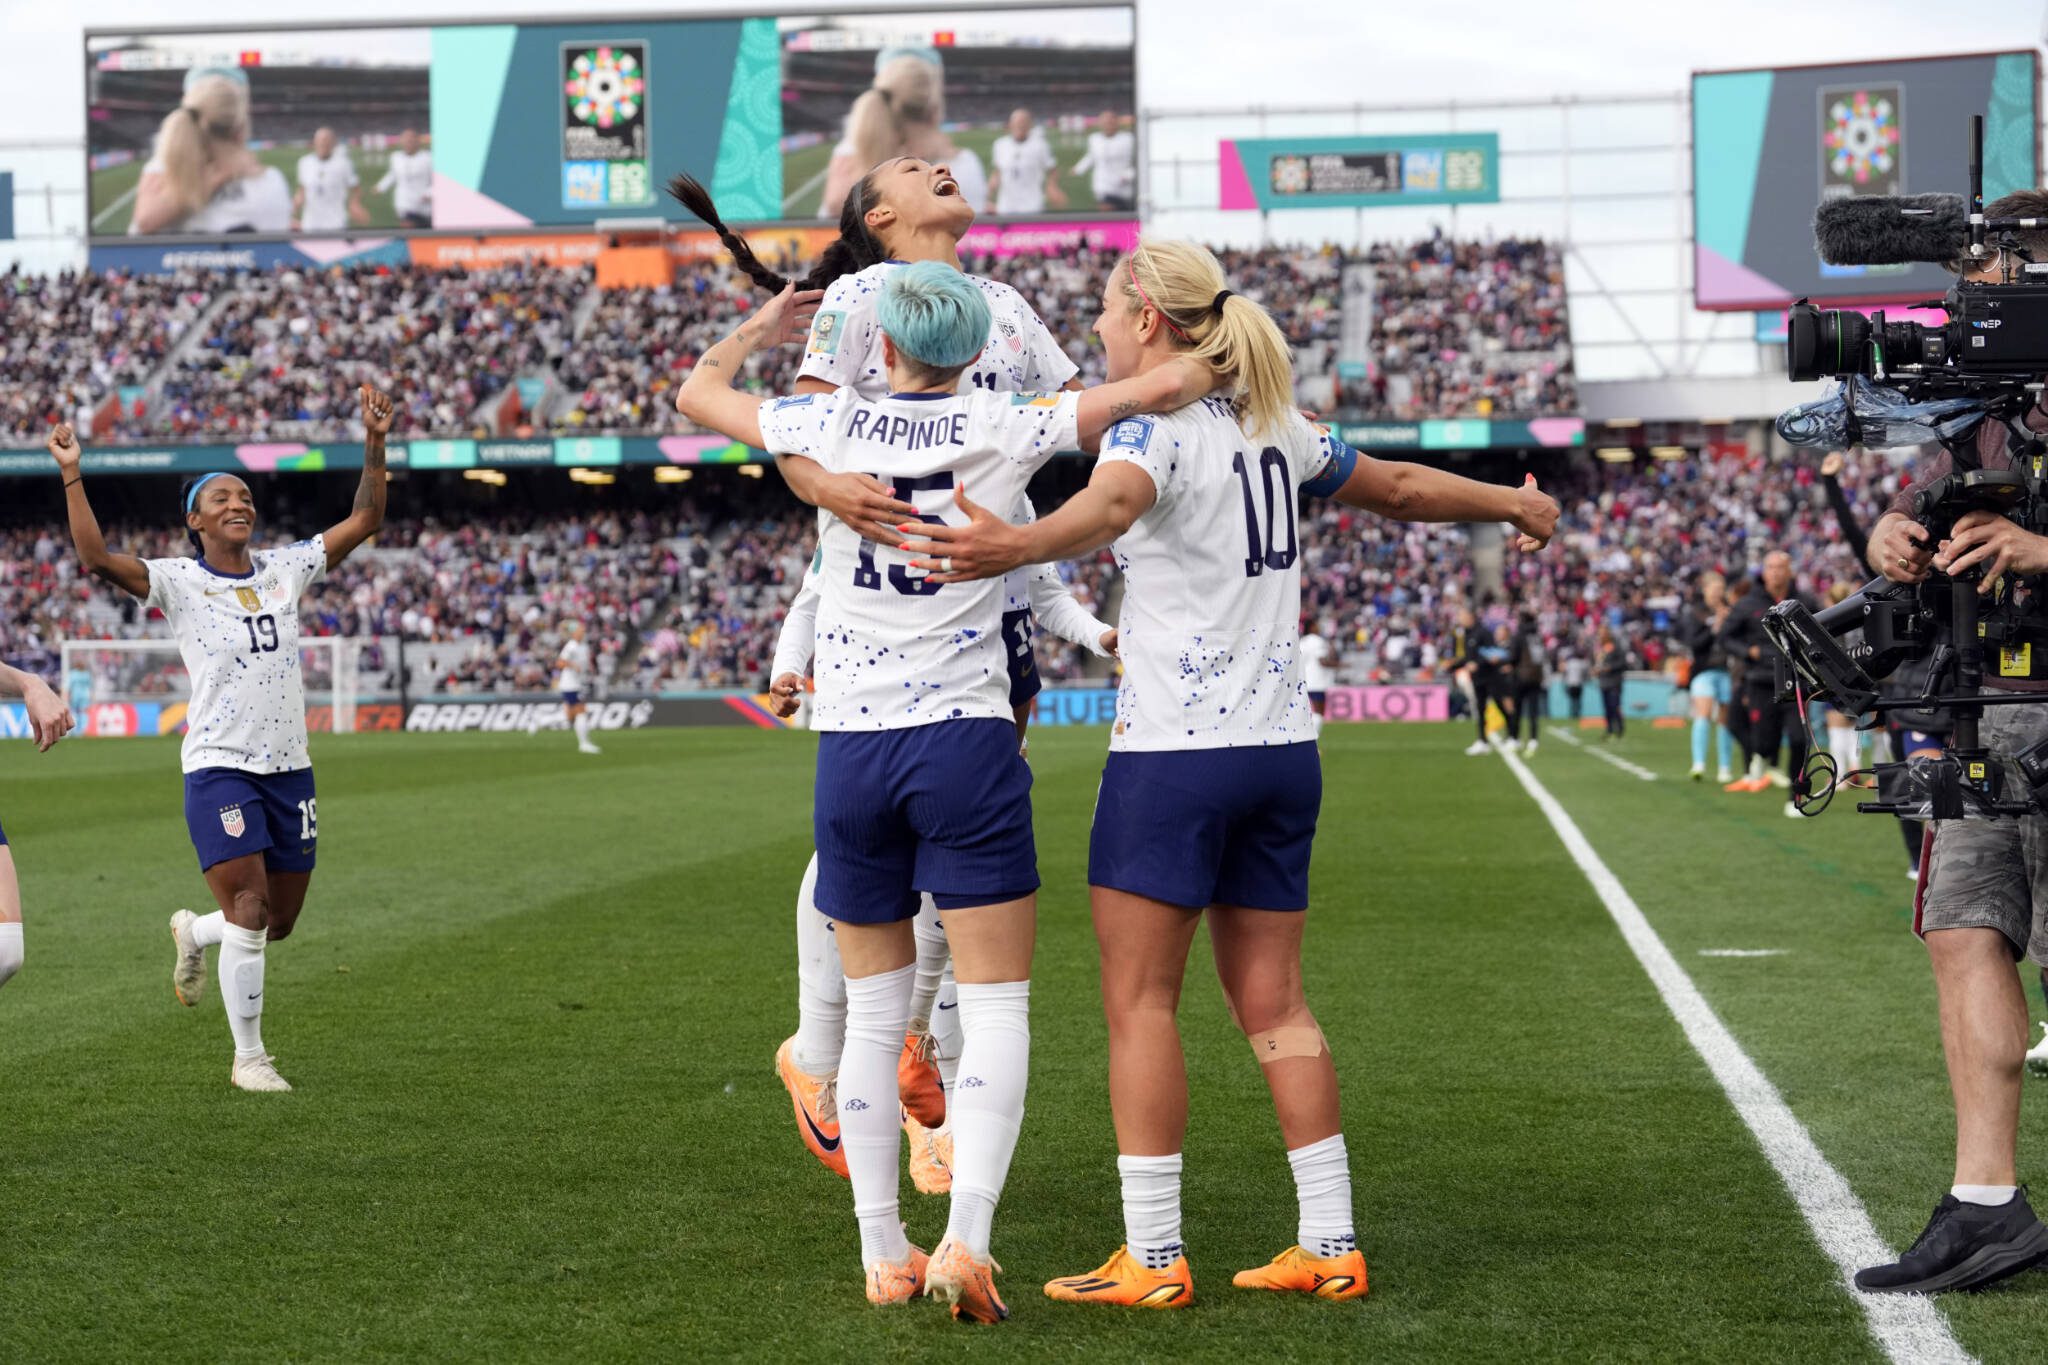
(574, 662)
(902, 113)
(250, 805)
(1026, 175)
(329, 197)
(808, 1061)
(1319, 671)
(901, 212)
(1699, 629)
(409, 175)
(48, 721)
(919, 780)
(1210, 797)
(1111, 164)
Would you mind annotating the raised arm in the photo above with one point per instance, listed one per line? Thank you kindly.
(48, 718)
(1416, 492)
(125, 572)
(707, 397)
(366, 518)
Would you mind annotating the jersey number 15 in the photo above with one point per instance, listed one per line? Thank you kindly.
(866, 575)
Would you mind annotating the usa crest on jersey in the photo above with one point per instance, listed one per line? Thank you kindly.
(231, 822)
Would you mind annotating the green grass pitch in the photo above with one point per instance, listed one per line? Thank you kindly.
(532, 1006)
(803, 171)
(112, 205)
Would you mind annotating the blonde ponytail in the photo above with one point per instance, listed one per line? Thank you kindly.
(215, 112)
(1184, 283)
(873, 130)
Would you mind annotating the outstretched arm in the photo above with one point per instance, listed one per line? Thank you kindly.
(366, 518)
(1118, 493)
(707, 396)
(1162, 388)
(125, 572)
(1416, 492)
(48, 718)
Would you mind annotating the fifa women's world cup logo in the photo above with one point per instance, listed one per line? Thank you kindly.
(605, 152)
(1861, 140)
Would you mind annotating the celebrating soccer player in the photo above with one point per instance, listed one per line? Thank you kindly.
(920, 784)
(249, 798)
(1212, 789)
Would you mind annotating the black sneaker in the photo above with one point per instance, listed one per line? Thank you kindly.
(1965, 1246)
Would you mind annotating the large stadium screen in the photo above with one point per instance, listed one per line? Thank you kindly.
(1770, 145)
(474, 127)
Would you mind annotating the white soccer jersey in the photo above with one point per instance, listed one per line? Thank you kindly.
(257, 203)
(411, 182)
(1212, 582)
(326, 184)
(1319, 676)
(798, 639)
(239, 637)
(845, 348)
(1112, 165)
(1023, 167)
(894, 650)
(575, 661)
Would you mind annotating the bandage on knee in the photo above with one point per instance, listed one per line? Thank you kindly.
(1279, 1044)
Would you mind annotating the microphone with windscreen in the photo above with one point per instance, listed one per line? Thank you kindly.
(1875, 229)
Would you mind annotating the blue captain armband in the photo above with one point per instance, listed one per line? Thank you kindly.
(1336, 473)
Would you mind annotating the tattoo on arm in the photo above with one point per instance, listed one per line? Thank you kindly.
(1124, 409)
(710, 364)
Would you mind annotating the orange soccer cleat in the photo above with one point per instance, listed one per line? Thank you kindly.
(917, 1077)
(1124, 1282)
(897, 1282)
(967, 1284)
(817, 1109)
(1339, 1277)
(931, 1157)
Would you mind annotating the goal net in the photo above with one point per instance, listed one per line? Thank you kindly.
(108, 683)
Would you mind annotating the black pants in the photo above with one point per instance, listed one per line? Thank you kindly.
(1610, 704)
(1528, 706)
(1486, 688)
(1772, 724)
(1574, 699)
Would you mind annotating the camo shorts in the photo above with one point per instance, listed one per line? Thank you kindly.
(1992, 874)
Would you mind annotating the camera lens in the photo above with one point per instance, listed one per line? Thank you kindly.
(1820, 342)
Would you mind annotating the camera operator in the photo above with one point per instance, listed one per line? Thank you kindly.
(1983, 901)
(1772, 723)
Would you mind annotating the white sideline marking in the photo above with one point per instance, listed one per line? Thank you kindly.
(115, 207)
(1908, 1327)
(1634, 770)
(1742, 952)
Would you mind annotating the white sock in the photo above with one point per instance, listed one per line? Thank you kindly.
(1322, 1185)
(820, 985)
(1843, 748)
(987, 1107)
(1992, 1195)
(946, 1033)
(870, 1126)
(582, 724)
(206, 929)
(1152, 1208)
(241, 986)
(932, 958)
(10, 950)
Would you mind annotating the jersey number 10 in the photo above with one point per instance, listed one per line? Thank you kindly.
(1264, 553)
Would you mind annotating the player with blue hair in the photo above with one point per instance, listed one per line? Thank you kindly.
(920, 785)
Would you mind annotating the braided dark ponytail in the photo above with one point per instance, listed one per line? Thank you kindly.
(855, 250)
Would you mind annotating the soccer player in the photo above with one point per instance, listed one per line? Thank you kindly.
(1111, 163)
(329, 196)
(808, 1061)
(1210, 796)
(409, 175)
(1026, 175)
(1319, 665)
(1699, 629)
(49, 721)
(574, 662)
(919, 780)
(249, 797)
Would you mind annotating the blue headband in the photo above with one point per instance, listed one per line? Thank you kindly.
(192, 497)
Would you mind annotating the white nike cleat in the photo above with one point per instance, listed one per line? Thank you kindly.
(188, 973)
(257, 1073)
(588, 749)
(1477, 747)
(1778, 779)
(1530, 751)
(1698, 773)
(1724, 777)
(1792, 810)
(1510, 744)
(2037, 1060)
